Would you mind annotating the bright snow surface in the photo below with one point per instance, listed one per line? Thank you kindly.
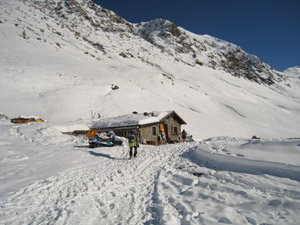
(50, 178)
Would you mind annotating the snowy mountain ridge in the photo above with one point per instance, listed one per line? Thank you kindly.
(293, 70)
(184, 46)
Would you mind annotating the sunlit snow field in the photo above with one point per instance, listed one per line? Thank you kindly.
(48, 177)
(223, 177)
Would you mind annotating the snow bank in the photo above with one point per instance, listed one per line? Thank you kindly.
(34, 151)
(274, 158)
(3, 116)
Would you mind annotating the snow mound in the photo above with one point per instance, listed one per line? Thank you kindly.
(276, 158)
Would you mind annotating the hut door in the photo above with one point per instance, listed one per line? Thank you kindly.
(166, 132)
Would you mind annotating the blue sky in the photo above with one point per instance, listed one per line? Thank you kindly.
(269, 29)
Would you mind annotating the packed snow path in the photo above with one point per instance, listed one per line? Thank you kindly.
(157, 187)
(115, 190)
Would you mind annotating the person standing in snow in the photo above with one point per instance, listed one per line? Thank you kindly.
(159, 138)
(133, 142)
(183, 135)
(112, 136)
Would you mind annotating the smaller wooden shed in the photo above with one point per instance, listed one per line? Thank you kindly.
(150, 126)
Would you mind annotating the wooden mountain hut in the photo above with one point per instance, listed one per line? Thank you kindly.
(152, 127)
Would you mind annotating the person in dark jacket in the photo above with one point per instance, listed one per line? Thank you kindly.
(183, 135)
(133, 142)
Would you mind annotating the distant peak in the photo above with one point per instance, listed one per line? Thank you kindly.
(293, 70)
(157, 21)
(163, 28)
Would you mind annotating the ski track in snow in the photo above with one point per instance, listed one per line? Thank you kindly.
(114, 191)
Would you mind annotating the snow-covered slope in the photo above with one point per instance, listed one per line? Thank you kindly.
(61, 60)
(293, 73)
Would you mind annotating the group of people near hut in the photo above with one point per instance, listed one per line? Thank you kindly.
(133, 139)
(161, 137)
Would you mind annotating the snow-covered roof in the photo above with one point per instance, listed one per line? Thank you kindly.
(134, 119)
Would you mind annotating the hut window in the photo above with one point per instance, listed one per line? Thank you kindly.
(154, 130)
(175, 130)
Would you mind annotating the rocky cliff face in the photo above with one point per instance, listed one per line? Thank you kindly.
(204, 50)
(108, 33)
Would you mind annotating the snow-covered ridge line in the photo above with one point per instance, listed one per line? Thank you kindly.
(205, 50)
(191, 49)
(294, 71)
